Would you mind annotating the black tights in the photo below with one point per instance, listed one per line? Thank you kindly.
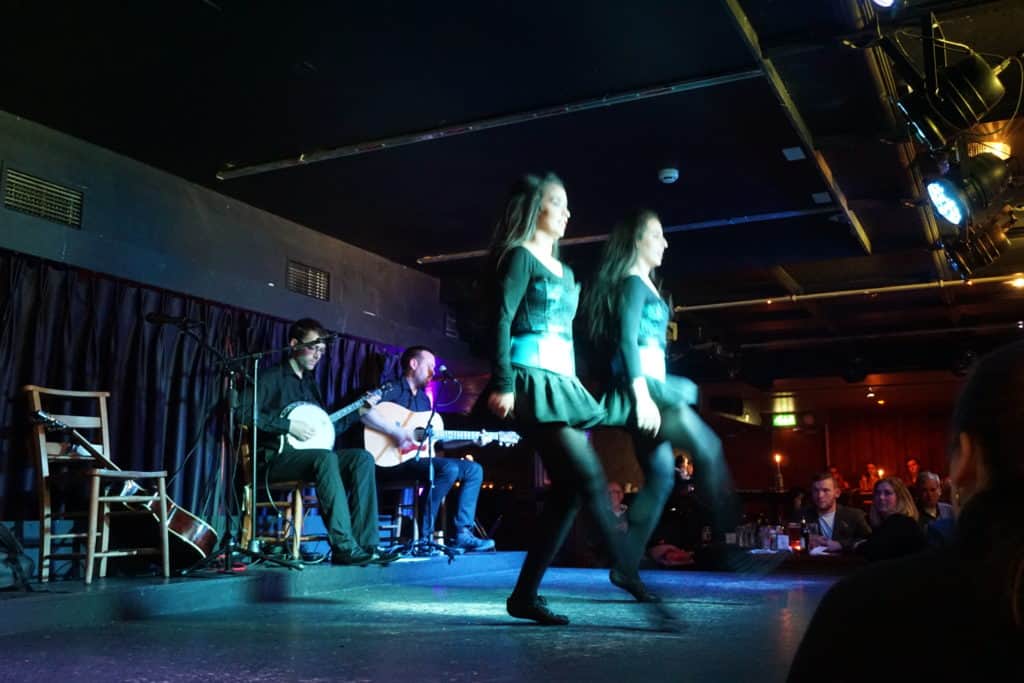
(577, 479)
(681, 427)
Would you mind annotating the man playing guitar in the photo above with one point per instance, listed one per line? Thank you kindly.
(344, 478)
(417, 365)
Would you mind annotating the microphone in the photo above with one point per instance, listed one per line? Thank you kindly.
(158, 318)
(331, 336)
(443, 373)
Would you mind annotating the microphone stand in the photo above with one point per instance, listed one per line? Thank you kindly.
(425, 546)
(229, 546)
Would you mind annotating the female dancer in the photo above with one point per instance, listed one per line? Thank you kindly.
(534, 378)
(627, 320)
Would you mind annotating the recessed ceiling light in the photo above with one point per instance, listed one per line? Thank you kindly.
(793, 153)
(871, 392)
(1017, 282)
(881, 401)
(822, 198)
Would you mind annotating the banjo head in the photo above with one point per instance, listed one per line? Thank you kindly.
(315, 415)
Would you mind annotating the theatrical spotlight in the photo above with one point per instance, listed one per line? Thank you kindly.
(964, 93)
(968, 188)
(977, 246)
(943, 99)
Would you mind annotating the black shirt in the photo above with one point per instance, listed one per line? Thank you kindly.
(279, 387)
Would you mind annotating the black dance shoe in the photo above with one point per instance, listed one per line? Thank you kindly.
(352, 558)
(632, 585)
(533, 609)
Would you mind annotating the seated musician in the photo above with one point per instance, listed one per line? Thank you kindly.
(417, 365)
(344, 478)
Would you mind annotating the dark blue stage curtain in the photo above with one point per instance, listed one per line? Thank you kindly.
(68, 328)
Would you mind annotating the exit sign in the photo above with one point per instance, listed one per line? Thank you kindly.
(784, 420)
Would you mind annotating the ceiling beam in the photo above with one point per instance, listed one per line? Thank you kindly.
(230, 171)
(749, 35)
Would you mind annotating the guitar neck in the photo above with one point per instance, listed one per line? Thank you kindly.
(456, 435)
(87, 445)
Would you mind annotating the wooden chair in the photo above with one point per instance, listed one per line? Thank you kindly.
(391, 523)
(93, 453)
(100, 509)
(295, 502)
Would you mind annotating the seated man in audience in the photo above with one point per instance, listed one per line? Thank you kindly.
(840, 526)
(936, 517)
(911, 469)
(594, 552)
(409, 392)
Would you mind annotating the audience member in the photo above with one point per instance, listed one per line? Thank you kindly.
(869, 478)
(840, 526)
(936, 517)
(796, 505)
(929, 505)
(893, 517)
(842, 486)
(595, 550)
(911, 470)
(960, 607)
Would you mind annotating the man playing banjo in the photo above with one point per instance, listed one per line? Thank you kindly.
(344, 478)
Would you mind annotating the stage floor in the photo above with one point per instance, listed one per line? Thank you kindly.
(414, 620)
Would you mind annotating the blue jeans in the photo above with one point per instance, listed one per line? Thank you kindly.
(446, 472)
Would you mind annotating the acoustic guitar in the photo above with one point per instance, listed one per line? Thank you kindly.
(323, 424)
(191, 538)
(386, 452)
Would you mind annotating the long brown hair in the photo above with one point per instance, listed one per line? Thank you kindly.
(518, 220)
(601, 299)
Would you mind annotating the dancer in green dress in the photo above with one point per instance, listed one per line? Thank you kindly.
(627, 319)
(534, 379)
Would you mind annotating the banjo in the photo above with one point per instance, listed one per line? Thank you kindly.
(323, 423)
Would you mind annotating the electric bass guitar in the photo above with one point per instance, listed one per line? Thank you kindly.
(386, 452)
(323, 424)
(191, 538)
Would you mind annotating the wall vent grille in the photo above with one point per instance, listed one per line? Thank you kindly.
(309, 281)
(38, 197)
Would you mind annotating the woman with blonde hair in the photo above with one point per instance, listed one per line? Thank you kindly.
(893, 518)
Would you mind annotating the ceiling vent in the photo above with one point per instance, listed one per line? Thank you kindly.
(309, 281)
(41, 198)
